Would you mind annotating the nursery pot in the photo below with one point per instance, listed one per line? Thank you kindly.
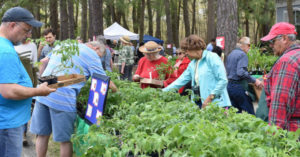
(50, 79)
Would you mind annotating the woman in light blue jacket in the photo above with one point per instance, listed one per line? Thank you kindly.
(207, 73)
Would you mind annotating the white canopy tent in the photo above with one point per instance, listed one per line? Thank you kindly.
(115, 31)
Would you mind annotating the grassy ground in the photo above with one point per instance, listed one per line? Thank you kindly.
(53, 148)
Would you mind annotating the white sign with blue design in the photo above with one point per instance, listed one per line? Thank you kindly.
(97, 98)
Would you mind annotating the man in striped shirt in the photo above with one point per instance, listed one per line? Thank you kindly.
(56, 113)
(27, 52)
(282, 85)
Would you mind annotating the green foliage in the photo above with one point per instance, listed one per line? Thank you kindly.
(5, 5)
(168, 68)
(67, 49)
(260, 12)
(150, 122)
(259, 61)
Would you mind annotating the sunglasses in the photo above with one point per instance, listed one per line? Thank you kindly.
(274, 39)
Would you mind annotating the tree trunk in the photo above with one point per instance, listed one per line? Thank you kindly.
(265, 26)
(97, 17)
(107, 13)
(256, 33)
(194, 17)
(36, 31)
(101, 17)
(290, 11)
(174, 22)
(158, 19)
(150, 16)
(54, 17)
(186, 18)
(64, 32)
(71, 19)
(46, 13)
(112, 10)
(134, 18)
(118, 14)
(124, 20)
(141, 21)
(227, 24)
(91, 32)
(76, 15)
(83, 32)
(169, 23)
(178, 21)
(211, 23)
(247, 27)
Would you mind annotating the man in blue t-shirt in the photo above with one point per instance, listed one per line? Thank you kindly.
(15, 84)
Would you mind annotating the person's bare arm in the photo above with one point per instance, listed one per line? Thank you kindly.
(41, 46)
(122, 67)
(44, 64)
(18, 92)
(113, 87)
(111, 64)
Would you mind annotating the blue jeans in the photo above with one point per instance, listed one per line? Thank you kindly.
(199, 103)
(11, 142)
(239, 99)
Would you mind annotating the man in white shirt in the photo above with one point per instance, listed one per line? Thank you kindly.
(27, 52)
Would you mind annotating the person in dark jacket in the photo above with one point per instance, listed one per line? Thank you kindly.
(237, 73)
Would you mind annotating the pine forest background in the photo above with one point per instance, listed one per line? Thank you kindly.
(170, 20)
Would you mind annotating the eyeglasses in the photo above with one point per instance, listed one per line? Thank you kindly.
(274, 39)
(179, 53)
(27, 31)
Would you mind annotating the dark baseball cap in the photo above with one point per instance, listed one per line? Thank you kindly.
(18, 14)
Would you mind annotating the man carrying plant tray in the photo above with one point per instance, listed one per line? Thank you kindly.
(15, 84)
(56, 113)
(282, 84)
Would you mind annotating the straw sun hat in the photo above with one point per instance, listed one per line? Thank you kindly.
(150, 47)
(125, 39)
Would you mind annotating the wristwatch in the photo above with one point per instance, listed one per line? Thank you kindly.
(212, 96)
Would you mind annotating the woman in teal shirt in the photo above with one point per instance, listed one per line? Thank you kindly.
(207, 73)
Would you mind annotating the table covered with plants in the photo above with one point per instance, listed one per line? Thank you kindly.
(150, 122)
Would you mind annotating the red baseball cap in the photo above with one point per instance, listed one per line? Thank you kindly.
(281, 28)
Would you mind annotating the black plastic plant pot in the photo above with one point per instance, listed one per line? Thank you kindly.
(50, 79)
(256, 72)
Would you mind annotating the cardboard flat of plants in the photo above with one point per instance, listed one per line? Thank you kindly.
(66, 80)
(152, 81)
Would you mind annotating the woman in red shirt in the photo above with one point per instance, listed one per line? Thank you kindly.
(182, 63)
(147, 64)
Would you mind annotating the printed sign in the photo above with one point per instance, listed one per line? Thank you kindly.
(97, 98)
(220, 41)
(169, 46)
